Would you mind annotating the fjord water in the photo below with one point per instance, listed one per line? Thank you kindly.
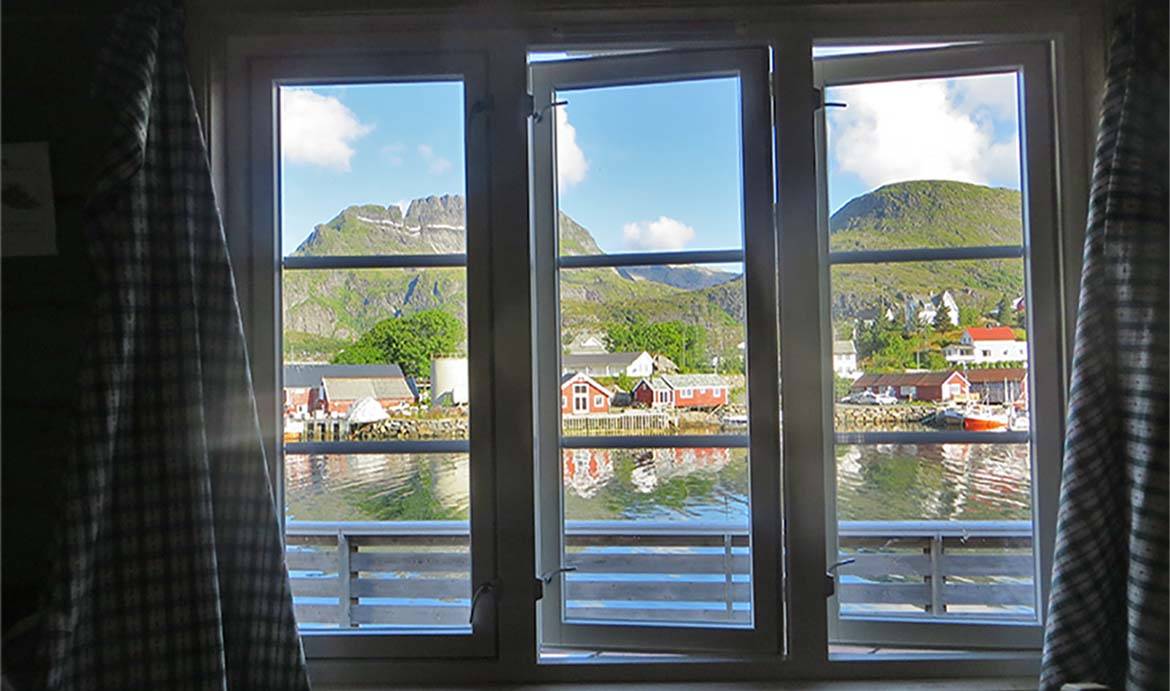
(876, 482)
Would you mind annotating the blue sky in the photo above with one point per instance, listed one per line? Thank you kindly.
(643, 167)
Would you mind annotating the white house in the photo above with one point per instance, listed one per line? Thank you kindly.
(609, 364)
(924, 311)
(586, 342)
(844, 358)
(984, 346)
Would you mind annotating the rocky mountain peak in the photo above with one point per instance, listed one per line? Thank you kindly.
(448, 211)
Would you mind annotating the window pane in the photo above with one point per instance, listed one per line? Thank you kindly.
(375, 354)
(394, 526)
(930, 345)
(924, 163)
(632, 176)
(657, 535)
(644, 351)
(372, 169)
(961, 511)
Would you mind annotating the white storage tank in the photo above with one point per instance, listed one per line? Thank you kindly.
(448, 381)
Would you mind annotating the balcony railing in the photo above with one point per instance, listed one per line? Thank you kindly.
(417, 574)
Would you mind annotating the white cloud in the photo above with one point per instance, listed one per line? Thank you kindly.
(318, 130)
(436, 165)
(403, 204)
(994, 92)
(923, 129)
(664, 234)
(571, 162)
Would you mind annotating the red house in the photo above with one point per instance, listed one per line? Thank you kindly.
(582, 395)
(682, 391)
(312, 388)
(917, 386)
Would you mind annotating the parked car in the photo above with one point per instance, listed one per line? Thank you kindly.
(870, 398)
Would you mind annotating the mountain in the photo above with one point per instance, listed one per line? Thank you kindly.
(926, 213)
(434, 225)
(685, 277)
(325, 310)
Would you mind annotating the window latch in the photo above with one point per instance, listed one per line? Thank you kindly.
(831, 577)
(480, 591)
(538, 115)
(547, 577)
(819, 100)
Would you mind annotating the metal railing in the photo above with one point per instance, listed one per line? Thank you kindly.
(412, 574)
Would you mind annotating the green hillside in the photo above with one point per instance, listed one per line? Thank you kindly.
(324, 310)
(926, 213)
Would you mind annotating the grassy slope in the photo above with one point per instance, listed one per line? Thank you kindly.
(336, 306)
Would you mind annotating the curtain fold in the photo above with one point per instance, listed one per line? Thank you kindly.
(1107, 614)
(170, 571)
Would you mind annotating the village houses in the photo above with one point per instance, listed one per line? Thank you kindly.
(631, 364)
(333, 389)
(986, 346)
(682, 391)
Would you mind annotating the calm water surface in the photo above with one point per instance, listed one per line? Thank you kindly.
(877, 482)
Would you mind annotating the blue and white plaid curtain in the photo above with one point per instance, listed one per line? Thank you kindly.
(1107, 615)
(171, 569)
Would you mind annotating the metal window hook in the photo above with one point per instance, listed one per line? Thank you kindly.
(830, 576)
(538, 115)
(547, 578)
(480, 590)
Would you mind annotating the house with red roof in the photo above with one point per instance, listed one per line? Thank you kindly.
(986, 346)
(916, 386)
(581, 394)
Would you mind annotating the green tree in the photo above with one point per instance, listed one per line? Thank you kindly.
(624, 382)
(409, 342)
(359, 354)
(841, 386)
(942, 318)
(685, 344)
(1003, 311)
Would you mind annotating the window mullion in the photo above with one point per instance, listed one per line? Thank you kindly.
(801, 292)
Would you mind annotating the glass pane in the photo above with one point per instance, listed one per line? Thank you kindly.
(395, 525)
(963, 511)
(657, 535)
(370, 169)
(375, 354)
(924, 163)
(930, 345)
(632, 176)
(646, 352)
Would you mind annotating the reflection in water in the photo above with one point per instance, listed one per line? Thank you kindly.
(933, 482)
(880, 482)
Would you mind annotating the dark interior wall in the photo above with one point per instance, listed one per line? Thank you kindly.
(47, 70)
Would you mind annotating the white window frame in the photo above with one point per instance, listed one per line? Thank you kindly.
(1038, 249)
(264, 77)
(224, 48)
(758, 254)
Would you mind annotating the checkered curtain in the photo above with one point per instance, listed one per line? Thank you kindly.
(171, 570)
(1107, 615)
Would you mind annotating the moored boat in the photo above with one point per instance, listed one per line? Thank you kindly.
(975, 420)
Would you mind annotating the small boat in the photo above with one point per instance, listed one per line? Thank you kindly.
(951, 417)
(734, 420)
(975, 420)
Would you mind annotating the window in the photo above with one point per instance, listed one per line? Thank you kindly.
(613, 584)
(661, 199)
(934, 498)
(386, 481)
